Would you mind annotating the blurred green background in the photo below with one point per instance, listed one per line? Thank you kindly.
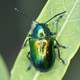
(14, 28)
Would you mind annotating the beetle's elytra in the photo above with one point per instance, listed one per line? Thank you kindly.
(42, 45)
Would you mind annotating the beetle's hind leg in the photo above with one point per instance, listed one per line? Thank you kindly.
(57, 46)
(59, 56)
(29, 58)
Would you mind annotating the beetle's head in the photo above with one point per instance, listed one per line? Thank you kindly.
(40, 31)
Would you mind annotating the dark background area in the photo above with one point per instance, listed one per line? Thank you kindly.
(14, 28)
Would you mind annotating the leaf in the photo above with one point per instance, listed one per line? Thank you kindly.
(69, 35)
(4, 74)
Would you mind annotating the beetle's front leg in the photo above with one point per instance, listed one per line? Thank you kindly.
(59, 56)
(28, 38)
(59, 45)
(29, 58)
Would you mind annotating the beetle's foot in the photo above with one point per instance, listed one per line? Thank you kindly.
(59, 45)
(63, 61)
(62, 46)
(29, 67)
(24, 44)
(28, 38)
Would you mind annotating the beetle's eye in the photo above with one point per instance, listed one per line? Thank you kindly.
(41, 33)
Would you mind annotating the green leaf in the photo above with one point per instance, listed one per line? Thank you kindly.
(69, 35)
(4, 74)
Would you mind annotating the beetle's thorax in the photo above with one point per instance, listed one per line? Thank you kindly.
(40, 31)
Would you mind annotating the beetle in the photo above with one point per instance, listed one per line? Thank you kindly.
(42, 43)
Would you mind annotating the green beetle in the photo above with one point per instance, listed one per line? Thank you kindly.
(42, 44)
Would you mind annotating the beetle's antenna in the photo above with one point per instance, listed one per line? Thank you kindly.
(59, 14)
(20, 12)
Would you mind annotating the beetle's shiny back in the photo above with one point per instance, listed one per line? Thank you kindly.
(42, 53)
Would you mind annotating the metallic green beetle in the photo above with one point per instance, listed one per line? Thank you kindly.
(42, 44)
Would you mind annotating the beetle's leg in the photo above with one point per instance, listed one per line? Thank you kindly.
(28, 56)
(59, 45)
(30, 65)
(28, 37)
(59, 55)
(24, 44)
